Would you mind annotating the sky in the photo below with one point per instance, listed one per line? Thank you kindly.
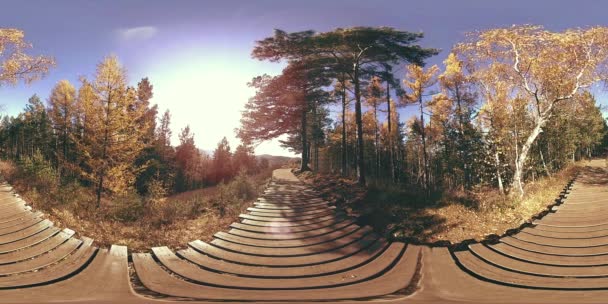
(197, 53)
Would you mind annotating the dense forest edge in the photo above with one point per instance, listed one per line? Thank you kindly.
(509, 105)
(445, 218)
(495, 134)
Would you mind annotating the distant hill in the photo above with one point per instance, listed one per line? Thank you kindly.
(274, 160)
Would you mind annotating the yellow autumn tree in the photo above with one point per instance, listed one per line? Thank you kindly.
(457, 88)
(15, 63)
(418, 80)
(440, 110)
(61, 111)
(494, 116)
(545, 68)
(111, 138)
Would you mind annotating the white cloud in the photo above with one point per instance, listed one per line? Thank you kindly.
(137, 33)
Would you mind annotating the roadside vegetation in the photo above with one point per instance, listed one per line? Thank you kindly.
(97, 158)
(140, 222)
(507, 106)
(493, 133)
(452, 216)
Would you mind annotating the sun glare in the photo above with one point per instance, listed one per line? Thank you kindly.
(208, 94)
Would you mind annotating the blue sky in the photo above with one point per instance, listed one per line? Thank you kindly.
(197, 53)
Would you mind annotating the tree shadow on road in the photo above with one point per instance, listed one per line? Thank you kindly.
(396, 214)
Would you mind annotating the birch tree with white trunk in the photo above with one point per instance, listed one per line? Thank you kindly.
(545, 68)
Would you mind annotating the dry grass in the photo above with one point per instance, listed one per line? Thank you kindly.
(454, 217)
(137, 222)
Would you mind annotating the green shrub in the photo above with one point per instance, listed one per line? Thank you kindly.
(156, 190)
(40, 172)
(231, 196)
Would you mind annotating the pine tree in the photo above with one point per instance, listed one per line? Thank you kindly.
(354, 52)
(222, 162)
(35, 128)
(187, 158)
(150, 155)
(165, 151)
(244, 159)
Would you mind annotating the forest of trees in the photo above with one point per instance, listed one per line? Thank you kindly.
(105, 134)
(507, 106)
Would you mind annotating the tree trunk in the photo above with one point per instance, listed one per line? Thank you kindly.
(343, 169)
(523, 156)
(99, 188)
(359, 121)
(57, 160)
(390, 133)
(542, 158)
(462, 144)
(102, 171)
(376, 142)
(425, 179)
(315, 137)
(574, 155)
(304, 134)
(501, 187)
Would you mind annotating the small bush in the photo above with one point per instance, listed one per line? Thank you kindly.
(40, 172)
(242, 187)
(231, 196)
(195, 206)
(8, 170)
(127, 207)
(167, 211)
(73, 194)
(156, 190)
(162, 212)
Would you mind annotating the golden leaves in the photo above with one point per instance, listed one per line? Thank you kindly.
(441, 107)
(111, 137)
(15, 64)
(417, 80)
(534, 60)
(453, 66)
